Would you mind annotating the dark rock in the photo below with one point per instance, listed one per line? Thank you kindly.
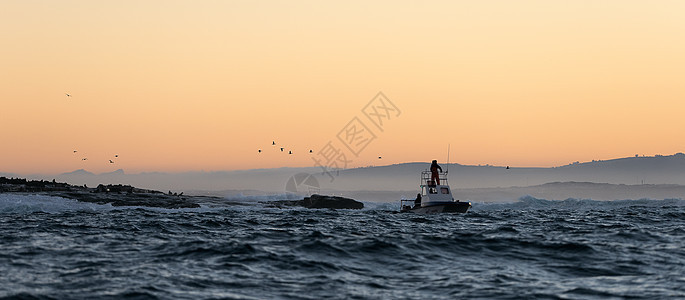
(133, 199)
(321, 201)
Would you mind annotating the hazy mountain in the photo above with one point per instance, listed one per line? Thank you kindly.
(633, 170)
(9, 175)
(79, 172)
(118, 172)
(268, 180)
(402, 177)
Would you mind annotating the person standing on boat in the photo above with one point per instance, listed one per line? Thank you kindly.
(434, 172)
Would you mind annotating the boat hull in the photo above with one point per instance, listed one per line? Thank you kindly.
(449, 207)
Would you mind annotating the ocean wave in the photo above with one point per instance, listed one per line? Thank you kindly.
(17, 203)
(268, 197)
(32, 203)
(532, 203)
(532, 248)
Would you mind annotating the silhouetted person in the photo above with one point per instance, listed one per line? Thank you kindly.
(417, 202)
(434, 172)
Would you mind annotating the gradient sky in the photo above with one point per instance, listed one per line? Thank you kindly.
(201, 85)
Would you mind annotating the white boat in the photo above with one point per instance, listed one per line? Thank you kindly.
(435, 197)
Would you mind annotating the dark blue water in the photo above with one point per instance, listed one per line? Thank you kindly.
(53, 248)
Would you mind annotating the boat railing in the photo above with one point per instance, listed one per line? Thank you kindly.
(407, 204)
(427, 178)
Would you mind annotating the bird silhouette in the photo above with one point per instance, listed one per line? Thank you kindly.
(67, 94)
(260, 150)
(281, 149)
(75, 151)
(116, 155)
(310, 151)
(290, 152)
(85, 158)
(110, 161)
(273, 143)
(379, 157)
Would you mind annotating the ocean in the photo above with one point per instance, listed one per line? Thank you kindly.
(55, 248)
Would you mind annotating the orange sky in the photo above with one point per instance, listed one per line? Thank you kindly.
(201, 85)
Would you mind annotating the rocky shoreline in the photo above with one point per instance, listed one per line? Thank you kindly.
(126, 195)
(116, 195)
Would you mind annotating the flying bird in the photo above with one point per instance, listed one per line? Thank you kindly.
(281, 149)
(110, 161)
(85, 158)
(116, 155)
(75, 151)
(290, 152)
(310, 151)
(260, 150)
(273, 143)
(67, 94)
(379, 157)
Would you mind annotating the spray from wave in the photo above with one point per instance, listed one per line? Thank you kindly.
(35, 203)
(13, 203)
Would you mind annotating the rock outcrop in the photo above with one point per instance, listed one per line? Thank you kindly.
(149, 199)
(116, 195)
(321, 201)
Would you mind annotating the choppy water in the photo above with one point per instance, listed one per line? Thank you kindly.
(58, 248)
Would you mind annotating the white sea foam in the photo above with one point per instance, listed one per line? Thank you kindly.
(19, 203)
(30, 203)
(267, 197)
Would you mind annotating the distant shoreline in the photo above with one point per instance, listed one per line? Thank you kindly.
(116, 195)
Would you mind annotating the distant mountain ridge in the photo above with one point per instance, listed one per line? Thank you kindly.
(631, 170)
(659, 169)
(79, 172)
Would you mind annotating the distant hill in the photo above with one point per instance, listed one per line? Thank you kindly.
(79, 172)
(402, 177)
(9, 175)
(114, 173)
(631, 170)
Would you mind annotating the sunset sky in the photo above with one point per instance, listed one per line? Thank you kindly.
(175, 86)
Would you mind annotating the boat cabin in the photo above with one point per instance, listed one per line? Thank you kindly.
(432, 192)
